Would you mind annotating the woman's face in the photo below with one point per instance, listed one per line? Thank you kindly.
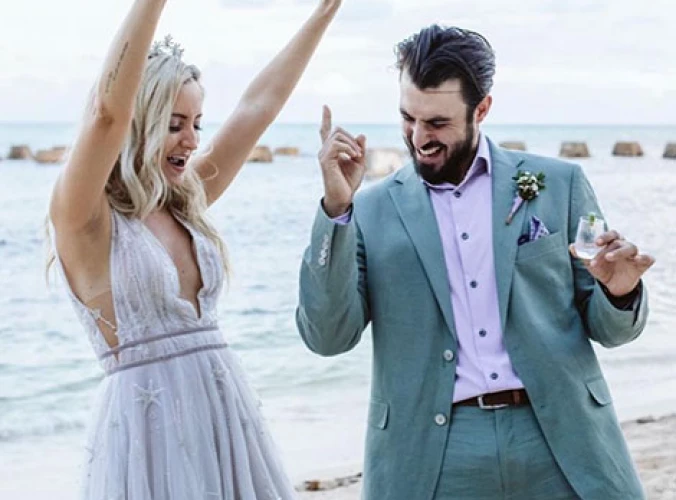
(184, 131)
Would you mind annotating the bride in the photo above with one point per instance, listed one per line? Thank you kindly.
(174, 418)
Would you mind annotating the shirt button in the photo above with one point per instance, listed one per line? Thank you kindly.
(473, 284)
(440, 419)
(457, 194)
(494, 376)
(448, 355)
(482, 333)
(465, 236)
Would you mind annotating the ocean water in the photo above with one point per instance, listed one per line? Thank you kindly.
(316, 406)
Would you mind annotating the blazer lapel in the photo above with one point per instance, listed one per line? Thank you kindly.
(505, 237)
(416, 212)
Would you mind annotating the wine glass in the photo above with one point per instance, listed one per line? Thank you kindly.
(589, 229)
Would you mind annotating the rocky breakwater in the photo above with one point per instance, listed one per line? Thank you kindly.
(626, 148)
(260, 154)
(571, 149)
(513, 145)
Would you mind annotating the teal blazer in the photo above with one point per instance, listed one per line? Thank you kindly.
(386, 267)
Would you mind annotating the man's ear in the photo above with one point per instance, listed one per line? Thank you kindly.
(482, 109)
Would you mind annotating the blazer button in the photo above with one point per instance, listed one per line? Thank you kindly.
(440, 419)
(448, 355)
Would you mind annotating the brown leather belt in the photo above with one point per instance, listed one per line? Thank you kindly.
(497, 400)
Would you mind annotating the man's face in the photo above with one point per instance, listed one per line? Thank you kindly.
(436, 130)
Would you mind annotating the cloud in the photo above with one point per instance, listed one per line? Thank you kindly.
(552, 56)
(360, 11)
(248, 4)
(626, 79)
(329, 85)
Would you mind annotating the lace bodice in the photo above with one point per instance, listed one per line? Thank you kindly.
(146, 293)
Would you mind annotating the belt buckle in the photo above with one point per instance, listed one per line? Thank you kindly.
(484, 406)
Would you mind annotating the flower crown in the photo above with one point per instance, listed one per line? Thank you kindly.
(166, 47)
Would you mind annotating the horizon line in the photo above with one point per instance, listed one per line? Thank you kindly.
(380, 124)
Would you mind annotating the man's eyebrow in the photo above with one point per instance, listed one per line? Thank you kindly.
(438, 119)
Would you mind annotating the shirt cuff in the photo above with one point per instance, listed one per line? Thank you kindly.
(625, 302)
(343, 219)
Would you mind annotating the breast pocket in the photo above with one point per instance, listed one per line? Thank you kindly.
(541, 246)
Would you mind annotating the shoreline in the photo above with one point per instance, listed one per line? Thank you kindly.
(651, 441)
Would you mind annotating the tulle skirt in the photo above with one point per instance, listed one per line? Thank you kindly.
(188, 428)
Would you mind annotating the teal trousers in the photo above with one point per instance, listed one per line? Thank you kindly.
(499, 455)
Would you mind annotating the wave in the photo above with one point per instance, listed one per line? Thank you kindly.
(256, 311)
(22, 243)
(41, 429)
(84, 385)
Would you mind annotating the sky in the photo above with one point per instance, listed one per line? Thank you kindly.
(558, 62)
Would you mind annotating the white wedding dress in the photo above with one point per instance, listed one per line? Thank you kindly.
(174, 417)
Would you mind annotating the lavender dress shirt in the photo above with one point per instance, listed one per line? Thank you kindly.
(463, 214)
(465, 223)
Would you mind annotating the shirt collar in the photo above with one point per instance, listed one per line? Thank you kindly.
(481, 164)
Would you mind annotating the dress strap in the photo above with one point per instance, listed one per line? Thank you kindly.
(96, 314)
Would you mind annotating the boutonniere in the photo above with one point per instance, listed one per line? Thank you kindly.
(528, 187)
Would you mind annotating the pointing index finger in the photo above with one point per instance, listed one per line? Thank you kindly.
(325, 129)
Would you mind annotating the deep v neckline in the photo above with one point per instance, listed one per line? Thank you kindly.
(198, 311)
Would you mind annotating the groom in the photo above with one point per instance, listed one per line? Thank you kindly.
(485, 382)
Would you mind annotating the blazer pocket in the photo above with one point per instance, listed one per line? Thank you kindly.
(599, 391)
(541, 246)
(379, 412)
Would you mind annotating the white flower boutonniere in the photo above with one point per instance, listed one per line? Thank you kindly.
(528, 187)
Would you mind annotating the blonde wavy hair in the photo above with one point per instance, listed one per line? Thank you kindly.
(137, 185)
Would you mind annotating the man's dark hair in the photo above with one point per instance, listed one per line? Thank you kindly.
(437, 54)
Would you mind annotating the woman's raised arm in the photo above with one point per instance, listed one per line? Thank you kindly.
(79, 200)
(261, 103)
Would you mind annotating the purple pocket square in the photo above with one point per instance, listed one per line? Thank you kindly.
(536, 230)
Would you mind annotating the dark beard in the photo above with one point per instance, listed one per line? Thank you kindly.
(455, 167)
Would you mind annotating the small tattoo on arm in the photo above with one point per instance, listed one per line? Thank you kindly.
(112, 76)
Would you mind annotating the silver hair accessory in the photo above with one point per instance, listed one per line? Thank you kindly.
(166, 47)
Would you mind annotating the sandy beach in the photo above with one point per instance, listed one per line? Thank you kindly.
(652, 443)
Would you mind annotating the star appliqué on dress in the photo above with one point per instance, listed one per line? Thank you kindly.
(148, 396)
(220, 374)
